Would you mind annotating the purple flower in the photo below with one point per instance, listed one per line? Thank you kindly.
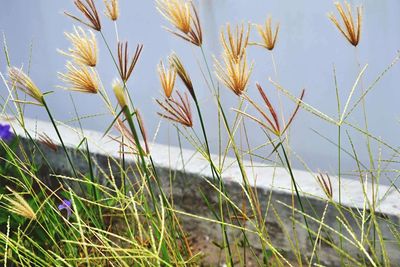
(65, 205)
(5, 132)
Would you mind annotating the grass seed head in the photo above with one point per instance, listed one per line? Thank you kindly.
(19, 205)
(47, 141)
(269, 120)
(167, 78)
(268, 35)
(119, 92)
(143, 131)
(126, 67)
(84, 47)
(176, 63)
(22, 82)
(112, 9)
(89, 10)
(183, 16)
(177, 109)
(80, 78)
(326, 184)
(351, 30)
(233, 74)
(235, 44)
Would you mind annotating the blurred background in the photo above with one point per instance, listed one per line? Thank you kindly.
(309, 47)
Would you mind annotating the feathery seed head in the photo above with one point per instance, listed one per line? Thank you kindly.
(80, 78)
(268, 38)
(351, 30)
(19, 205)
(112, 10)
(167, 78)
(88, 9)
(234, 74)
(84, 47)
(177, 12)
(182, 14)
(235, 44)
(22, 82)
(119, 92)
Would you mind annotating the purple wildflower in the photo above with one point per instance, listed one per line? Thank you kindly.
(5, 133)
(65, 205)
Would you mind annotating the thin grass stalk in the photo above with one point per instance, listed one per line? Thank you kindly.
(145, 169)
(59, 137)
(79, 222)
(116, 65)
(221, 185)
(340, 187)
(20, 110)
(129, 117)
(214, 171)
(131, 125)
(140, 150)
(363, 104)
(297, 193)
(220, 109)
(123, 177)
(92, 179)
(256, 206)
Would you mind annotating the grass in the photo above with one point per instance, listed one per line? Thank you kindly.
(127, 211)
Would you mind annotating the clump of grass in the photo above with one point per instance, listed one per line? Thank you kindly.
(123, 215)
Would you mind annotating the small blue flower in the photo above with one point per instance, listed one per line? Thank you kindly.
(5, 132)
(65, 205)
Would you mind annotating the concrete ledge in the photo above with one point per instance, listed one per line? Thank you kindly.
(267, 180)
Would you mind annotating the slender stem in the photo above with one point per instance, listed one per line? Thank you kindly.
(208, 67)
(123, 166)
(340, 188)
(221, 184)
(140, 150)
(297, 194)
(59, 137)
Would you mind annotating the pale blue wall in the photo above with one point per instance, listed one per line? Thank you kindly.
(307, 48)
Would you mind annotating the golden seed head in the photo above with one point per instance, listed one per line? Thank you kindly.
(84, 47)
(89, 10)
(235, 44)
(183, 15)
(351, 29)
(268, 36)
(167, 78)
(112, 10)
(80, 78)
(21, 81)
(119, 92)
(19, 205)
(235, 75)
(177, 12)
